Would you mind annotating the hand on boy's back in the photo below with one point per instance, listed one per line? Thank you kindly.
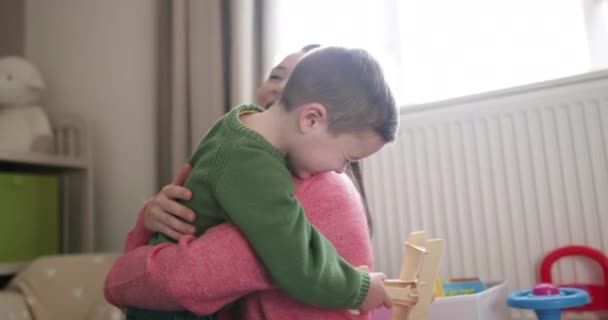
(376, 296)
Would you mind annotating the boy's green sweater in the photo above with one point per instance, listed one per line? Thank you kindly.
(239, 177)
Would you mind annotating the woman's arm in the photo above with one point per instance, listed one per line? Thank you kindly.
(156, 276)
(197, 274)
(164, 214)
(139, 235)
(171, 277)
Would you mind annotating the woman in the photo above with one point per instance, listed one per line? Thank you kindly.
(151, 277)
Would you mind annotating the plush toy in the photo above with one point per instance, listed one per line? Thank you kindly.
(24, 126)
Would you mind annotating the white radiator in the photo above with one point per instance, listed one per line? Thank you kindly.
(504, 177)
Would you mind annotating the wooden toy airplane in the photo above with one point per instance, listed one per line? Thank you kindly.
(412, 293)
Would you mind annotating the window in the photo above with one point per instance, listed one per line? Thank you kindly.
(596, 18)
(433, 50)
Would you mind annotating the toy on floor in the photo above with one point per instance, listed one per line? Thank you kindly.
(597, 293)
(548, 300)
(461, 286)
(412, 293)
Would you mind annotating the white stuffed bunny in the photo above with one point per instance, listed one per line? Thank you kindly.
(24, 126)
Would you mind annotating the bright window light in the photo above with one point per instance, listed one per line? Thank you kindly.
(604, 9)
(433, 50)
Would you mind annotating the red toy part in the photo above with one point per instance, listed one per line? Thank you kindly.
(598, 294)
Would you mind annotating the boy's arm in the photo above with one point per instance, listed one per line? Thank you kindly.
(197, 274)
(139, 279)
(258, 196)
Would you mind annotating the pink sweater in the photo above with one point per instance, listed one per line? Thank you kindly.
(206, 273)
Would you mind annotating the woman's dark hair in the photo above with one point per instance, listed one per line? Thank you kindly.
(353, 171)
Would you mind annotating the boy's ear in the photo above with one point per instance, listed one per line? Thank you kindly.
(312, 116)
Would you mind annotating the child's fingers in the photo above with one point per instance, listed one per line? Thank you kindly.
(380, 275)
(388, 303)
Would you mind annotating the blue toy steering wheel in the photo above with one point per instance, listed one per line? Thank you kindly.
(548, 300)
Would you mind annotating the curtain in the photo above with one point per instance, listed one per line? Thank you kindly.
(210, 58)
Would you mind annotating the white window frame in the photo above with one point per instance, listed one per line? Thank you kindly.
(596, 23)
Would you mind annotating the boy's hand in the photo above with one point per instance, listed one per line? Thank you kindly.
(376, 296)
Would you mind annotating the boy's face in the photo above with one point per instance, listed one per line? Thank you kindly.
(322, 151)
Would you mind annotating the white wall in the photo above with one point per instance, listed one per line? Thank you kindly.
(99, 61)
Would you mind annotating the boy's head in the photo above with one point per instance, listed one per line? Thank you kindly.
(345, 111)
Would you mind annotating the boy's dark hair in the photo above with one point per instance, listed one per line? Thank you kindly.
(350, 84)
(310, 47)
(353, 170)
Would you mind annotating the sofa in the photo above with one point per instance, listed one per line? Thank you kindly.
(66, 286)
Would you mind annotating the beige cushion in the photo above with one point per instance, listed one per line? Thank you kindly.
(67, 287)
(13, 306)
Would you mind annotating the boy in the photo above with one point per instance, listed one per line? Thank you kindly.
(335, 108)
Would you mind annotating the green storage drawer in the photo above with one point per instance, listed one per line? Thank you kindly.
(29, 216)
